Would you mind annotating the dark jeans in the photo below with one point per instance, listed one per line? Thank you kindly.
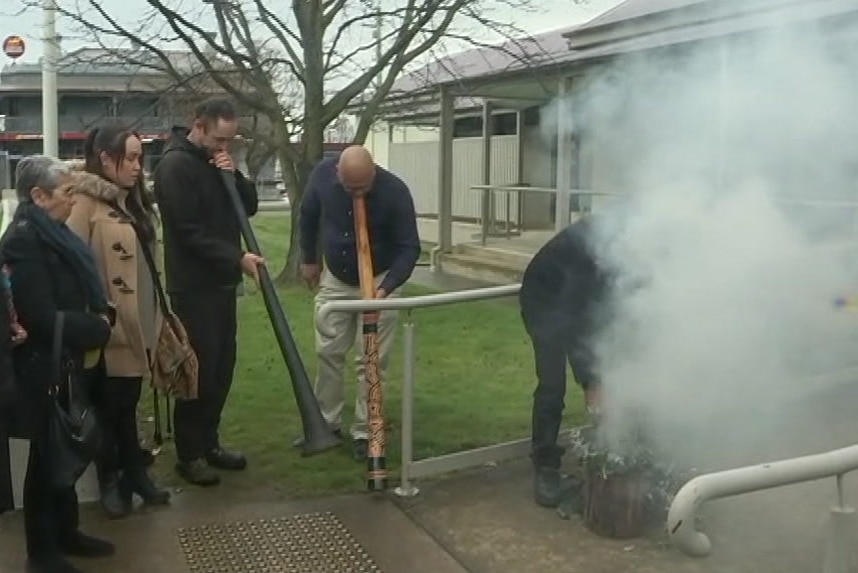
(116, 403)
(209, 318)
(50, 514)
(551, 355)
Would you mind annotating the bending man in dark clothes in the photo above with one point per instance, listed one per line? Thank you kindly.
(561, 298)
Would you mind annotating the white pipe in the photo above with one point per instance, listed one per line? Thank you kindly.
(434, 255)
(683, 510)
(9, 207)
(408, 303)
(50, 122)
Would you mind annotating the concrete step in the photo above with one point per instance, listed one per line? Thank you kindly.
(513, 258)
(482, 267)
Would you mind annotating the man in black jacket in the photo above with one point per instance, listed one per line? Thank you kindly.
(563, 294)
(203, 261)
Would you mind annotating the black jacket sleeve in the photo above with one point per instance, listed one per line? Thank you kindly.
(6, 373)
(181, 212)
(310, 219)
(406, 241)
(247, 192)
(34, 298)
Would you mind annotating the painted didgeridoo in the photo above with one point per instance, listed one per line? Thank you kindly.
(376, 479)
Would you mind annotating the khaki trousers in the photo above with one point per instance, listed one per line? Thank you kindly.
(331, 353)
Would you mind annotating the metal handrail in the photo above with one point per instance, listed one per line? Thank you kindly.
(487, 210)
(440, 464)
(681, 520)
(408, 303)
(550, 190)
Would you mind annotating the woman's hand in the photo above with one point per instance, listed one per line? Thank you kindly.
(19, 335)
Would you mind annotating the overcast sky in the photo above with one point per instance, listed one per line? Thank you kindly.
(553, 14)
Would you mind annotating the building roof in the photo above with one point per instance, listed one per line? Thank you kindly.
(98, 61)
(644, 24)
(633, 9)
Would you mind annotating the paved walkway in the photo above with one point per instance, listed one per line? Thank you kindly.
(206, 532)
(482, 521)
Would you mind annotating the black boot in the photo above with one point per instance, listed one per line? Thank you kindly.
(546, 487)
(81, 545)
(226, 459)
(138, 481)
(114, 499)
(198, 472)
(147, 456)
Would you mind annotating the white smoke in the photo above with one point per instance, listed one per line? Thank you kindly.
(737, 309)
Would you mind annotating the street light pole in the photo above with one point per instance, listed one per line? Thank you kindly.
(50, 49)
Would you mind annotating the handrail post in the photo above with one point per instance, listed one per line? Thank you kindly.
(485, 215)
(406, 488)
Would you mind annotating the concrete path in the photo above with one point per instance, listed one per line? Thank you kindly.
(206, 532)
(442, 281)
(482, 521)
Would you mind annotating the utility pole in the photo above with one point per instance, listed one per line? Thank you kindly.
(379, 22)
(50, 49)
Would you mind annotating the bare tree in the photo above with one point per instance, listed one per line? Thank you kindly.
(337, 51)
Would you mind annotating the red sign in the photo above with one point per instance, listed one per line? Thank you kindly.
(13, 46)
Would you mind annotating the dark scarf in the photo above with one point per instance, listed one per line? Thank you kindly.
(71, 248)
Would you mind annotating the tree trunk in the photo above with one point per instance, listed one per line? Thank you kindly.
(295, 181)
(290, 274)
(310, 22)
(615, 506)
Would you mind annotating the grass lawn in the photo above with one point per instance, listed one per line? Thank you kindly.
(474, 381)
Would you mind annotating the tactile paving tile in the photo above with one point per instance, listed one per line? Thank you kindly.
(305, 543)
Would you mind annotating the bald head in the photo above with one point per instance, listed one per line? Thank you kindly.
(356, 170)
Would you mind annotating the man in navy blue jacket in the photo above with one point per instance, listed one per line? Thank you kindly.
(326, 214)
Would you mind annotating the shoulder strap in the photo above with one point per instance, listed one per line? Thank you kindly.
(57, 349)
(150, 263)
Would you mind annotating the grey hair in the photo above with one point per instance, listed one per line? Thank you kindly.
(39, 171)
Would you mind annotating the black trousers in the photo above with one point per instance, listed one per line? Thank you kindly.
(116, 405)
(551, 354)
(210, 319)
(50, 514)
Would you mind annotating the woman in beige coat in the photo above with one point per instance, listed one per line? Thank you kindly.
(112, 208)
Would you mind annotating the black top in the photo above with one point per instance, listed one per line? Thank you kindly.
(7, 393)
(43, 283)
(563, 283)
(202, 235)
(391, 222)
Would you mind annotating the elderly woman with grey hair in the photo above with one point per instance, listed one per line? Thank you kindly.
(50, 271)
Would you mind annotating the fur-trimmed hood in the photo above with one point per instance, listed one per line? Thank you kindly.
(94, 186)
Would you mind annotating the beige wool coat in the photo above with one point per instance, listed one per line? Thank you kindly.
(126, 278)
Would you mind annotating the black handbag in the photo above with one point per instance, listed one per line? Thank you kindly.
(73, 435)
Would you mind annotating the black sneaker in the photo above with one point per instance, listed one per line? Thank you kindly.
(226, 460)
(360, 449)
(82, 545)
(198, 472)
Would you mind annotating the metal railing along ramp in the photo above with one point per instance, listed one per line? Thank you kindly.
(840, 554)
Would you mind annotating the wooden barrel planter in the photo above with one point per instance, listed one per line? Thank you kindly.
(615, 506)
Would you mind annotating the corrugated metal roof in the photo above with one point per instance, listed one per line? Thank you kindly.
(551, 49)
(632, 9)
